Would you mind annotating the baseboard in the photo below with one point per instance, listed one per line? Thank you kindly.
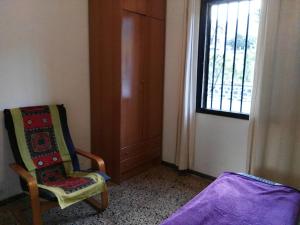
(171, 165)
(12, 198)
(202, 175)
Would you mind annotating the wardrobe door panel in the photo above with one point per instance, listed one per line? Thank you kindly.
(156, 9)
(105, 70)
(138, 6)
(133, 61)
(155, 78)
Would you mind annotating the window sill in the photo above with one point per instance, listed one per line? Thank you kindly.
(224, 114)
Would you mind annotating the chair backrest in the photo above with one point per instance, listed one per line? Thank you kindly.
(41, 141)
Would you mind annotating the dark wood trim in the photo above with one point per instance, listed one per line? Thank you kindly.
(223, 1)
(182, 172)
(170, 165)
(224, 114)
(201, 55)
(202, 175)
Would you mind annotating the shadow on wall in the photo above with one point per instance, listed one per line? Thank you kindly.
(9, 181)
(278, 156)
(285, 178)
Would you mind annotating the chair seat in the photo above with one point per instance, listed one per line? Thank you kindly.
(104, 175)
(48, 195)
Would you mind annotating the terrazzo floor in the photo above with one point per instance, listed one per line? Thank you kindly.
(146, 199)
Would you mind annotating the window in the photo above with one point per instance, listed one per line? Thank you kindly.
(227, 50)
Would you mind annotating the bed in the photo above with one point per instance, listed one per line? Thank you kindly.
(240, 199)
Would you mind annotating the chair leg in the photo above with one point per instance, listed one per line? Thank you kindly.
(36, 207)
(104, 200)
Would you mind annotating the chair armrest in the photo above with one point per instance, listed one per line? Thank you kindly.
(30, 180)
(97, 159)
(24, 174)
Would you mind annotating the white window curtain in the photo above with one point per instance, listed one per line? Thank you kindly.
(274, 137)
(187, 104)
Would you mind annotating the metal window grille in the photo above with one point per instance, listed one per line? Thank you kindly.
(227, 50)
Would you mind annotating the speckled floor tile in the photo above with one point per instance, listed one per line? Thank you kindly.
(146, 199)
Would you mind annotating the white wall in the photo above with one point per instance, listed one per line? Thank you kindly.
(43, 60)
(221, 143)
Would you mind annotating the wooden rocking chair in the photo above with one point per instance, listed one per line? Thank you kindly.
(35, 119)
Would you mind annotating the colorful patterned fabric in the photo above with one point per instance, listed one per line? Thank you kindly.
(46, 155)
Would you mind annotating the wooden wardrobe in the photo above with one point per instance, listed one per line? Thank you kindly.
(127, 72)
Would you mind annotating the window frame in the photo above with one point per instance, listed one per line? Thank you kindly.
(203, 61)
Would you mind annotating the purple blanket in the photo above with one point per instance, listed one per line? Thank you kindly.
(235, 199)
